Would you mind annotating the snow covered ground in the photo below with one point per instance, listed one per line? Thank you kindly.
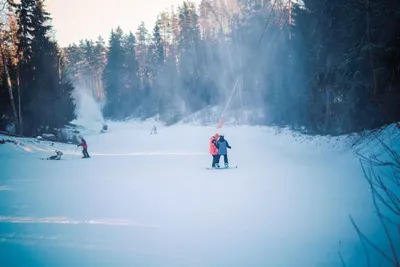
(148, 200)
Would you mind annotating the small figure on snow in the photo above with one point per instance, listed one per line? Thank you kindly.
(84, 145)
(153, 130)
(214, 150)
(56, 157)
(105, 128)
(222, 146)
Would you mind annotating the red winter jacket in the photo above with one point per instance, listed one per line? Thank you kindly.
(213, 146)
(83, 144)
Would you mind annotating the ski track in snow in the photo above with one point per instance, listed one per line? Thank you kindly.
(287, 204)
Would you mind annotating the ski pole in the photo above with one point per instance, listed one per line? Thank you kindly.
(76, 148)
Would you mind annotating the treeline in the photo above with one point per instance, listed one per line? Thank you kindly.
(324, 66)
(194, 57)
(35, 95)
(350, 56)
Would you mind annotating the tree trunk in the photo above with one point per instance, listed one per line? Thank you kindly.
(14, 109)
(21, 125)
(327, 111)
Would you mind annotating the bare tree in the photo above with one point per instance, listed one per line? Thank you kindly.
(385, 188)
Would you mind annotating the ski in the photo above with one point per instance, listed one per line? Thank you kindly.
(222, 168)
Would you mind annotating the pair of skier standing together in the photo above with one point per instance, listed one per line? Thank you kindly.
(219, 147)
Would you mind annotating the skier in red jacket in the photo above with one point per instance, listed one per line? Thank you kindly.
(84, 145)
(214, 150)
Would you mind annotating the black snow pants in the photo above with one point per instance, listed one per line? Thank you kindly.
(215, 160)
(225, 159)
(85, 153)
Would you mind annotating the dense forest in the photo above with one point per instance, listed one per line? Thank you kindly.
(35, 93)
(328, 67)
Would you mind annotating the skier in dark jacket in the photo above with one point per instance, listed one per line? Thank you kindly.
(55, 157)
(223, 146)
(84, 145)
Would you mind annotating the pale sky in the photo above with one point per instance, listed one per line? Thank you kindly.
(79, 19)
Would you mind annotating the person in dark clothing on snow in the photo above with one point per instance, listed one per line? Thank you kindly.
(84, 145)
(223, 146)
(56, 157)
(153, 130)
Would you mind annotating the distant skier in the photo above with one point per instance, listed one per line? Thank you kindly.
(222, 146)
(105, 127)
(55, 157)
(84, 145)
(153, 130)
(214, 150)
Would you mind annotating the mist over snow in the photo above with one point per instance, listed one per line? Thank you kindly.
(88, 110)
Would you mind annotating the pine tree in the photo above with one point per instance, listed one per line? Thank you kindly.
(75, 60)
(89, 71)
(45, 98)
(195, 92)
(158, 53)
(100, 58)
(171, 105)
(131, 70)
(206, 20)
(165, 31)
(142, 54)
(86, 63)
(113, 76)
(157, 69)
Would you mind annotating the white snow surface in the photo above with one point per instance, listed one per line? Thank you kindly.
(148, 200)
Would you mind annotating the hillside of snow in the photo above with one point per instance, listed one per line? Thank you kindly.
(148, 200)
